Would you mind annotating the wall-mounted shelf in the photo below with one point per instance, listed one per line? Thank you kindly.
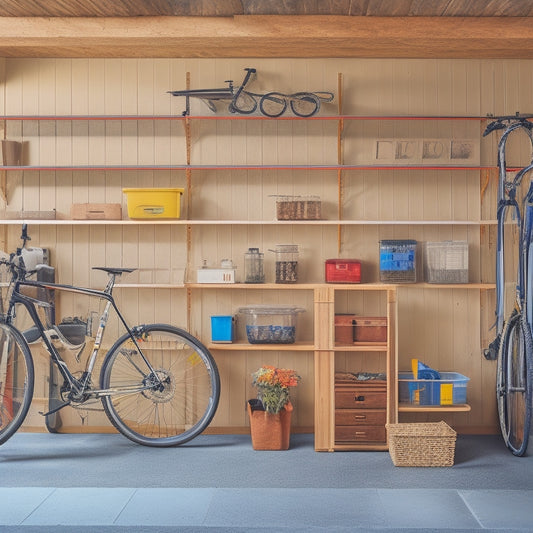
(115, 168)
(325, 298)
(185, 222)
(246, 346)
(458, 408)
(104, 117)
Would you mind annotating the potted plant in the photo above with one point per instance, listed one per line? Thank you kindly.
(270, 414)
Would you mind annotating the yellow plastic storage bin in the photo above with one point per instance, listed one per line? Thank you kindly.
(154, 203)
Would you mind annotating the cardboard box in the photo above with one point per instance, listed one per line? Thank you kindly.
(96, 212)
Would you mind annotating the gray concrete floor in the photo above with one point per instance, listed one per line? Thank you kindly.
(105, 483)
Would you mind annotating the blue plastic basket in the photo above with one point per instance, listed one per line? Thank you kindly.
(397, 261)
(449, 390)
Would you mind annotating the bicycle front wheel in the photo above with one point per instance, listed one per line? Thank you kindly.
(305, 104)
(170, 404)
(514, 383)
(16, 380)
(273, 104)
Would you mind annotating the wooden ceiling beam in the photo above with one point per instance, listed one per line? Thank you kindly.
(268, 36)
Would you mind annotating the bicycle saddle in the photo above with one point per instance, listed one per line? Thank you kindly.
(115, 271)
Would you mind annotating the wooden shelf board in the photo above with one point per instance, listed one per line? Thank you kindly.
(407, 408)
(290, 286)
(243, 117)
(480, 286)
(340, 287)
(245, 346)
(184, 222)
(150, 286)
(93, 168)
(362, 347)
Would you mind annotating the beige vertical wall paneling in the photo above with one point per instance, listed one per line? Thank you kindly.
(439, 326)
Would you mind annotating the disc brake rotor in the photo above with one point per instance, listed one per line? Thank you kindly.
(163, 386)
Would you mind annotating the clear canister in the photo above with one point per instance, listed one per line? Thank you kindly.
(286, 263)
(253, 266)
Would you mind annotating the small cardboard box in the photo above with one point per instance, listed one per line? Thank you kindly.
(96, 212)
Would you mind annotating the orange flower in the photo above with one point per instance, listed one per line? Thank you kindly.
(273, 386)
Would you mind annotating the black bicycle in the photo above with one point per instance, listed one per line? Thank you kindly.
(241, 100)
(513, 345)
(159, 385)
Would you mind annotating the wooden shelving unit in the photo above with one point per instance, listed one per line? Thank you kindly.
(325, 350)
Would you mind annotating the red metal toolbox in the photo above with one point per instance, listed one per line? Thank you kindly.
(343, 271)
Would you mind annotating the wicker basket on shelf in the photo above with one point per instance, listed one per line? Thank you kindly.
(422, 444)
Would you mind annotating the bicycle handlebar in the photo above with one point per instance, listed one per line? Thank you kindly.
(18, 271)
(499, 122)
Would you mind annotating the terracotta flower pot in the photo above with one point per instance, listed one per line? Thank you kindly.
(269, 431)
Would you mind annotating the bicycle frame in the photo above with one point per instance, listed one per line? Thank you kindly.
(210, 95)
(515, 123)
(80, 391)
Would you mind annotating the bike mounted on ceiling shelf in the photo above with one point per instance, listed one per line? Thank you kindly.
(241, 100)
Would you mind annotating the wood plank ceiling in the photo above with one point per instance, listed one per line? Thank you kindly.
(229, 8)
(267, 28)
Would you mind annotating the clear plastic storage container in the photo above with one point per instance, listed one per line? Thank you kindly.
(270, 324)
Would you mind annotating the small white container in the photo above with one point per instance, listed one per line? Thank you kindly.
(225, 274)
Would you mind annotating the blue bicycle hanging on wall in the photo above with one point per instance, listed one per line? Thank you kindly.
(241, 100)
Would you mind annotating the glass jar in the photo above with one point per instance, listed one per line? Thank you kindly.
(286, 263)
(253, 266)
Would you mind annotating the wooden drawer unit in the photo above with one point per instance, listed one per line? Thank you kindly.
(360, 434)
(360, 417)
(360, 412)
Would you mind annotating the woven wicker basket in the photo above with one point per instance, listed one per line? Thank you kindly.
(422, 444)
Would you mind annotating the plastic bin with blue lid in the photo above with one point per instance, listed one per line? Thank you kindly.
(450, 389)
(397, 261)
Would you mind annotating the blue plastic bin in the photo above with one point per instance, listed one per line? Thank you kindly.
(222, 327)
(449, 390)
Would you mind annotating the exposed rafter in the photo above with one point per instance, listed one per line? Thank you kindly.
(268, 36)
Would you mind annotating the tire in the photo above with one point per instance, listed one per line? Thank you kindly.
(273, 104)
(174, 414)
(244, 103)
(514, 383)
(305, 104)
(16, 380)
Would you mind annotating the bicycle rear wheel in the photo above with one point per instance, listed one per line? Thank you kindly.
(16, 380)
(304, 104)
(273, 104)
(514, 383)
(173, 404)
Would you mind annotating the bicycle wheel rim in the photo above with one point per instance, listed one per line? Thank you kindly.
(514, 391)
(244, 103)
(273, 104)
(304, 104)
(177, 411)
(16, 381)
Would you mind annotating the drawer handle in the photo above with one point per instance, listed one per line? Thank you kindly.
(360, 398)
(360, 417)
